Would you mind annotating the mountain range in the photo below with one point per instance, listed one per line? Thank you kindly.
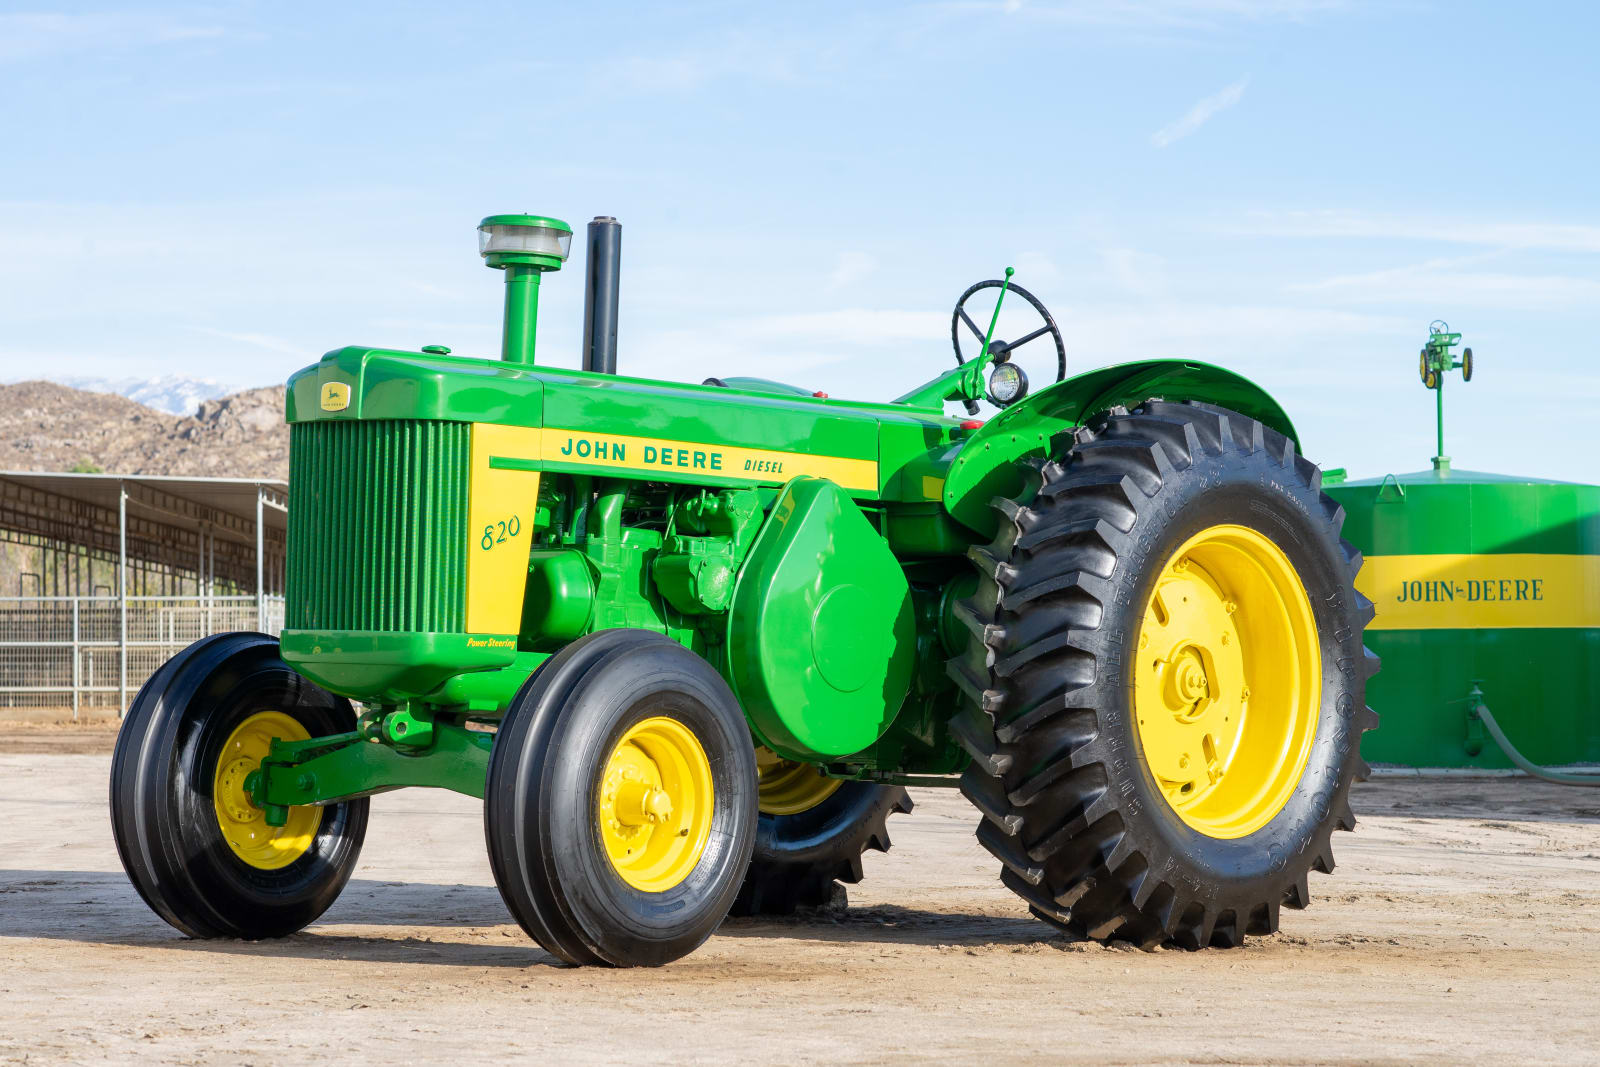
(47, 426)
(173, 393)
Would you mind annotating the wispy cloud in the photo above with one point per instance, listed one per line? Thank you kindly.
(771, 50)
(756, 54)
(32, 35)
(1137, 272)
(255, 340)
(1242, 335)
(1443, 283)
(1145, 16)
(1038, 271)
(1561, 237)
(851, 268)
(851, 326)
(1202, 112)
(439, 327)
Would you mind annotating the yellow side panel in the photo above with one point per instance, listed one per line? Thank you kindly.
(722, 462)
(499, 528)
(1469, 592)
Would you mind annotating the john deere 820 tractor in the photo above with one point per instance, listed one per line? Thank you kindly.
(690, 642)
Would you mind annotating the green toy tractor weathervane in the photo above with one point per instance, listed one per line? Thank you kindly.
(690, 642)
(1435, 361)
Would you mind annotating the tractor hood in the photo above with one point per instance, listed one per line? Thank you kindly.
(610, 424)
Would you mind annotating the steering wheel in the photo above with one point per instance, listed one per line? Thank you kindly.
(1001, 350)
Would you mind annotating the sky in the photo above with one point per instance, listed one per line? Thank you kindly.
(1292, 189)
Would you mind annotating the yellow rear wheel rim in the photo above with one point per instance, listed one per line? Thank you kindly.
(1228, 681)
(244, 826)
(655, 804)
(788, 787)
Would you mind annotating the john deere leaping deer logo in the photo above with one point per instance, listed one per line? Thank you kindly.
(335, 396)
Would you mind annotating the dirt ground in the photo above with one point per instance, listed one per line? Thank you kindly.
(1463, 924)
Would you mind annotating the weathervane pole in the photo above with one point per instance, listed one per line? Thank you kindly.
(1436, 361)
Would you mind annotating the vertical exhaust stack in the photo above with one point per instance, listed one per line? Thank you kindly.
(600, 294)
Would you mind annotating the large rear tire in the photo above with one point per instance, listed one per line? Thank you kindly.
(1166, 679)
(811, 837)
(620, 806)
(199, 853)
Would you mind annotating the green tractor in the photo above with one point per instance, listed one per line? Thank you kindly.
(690, 642)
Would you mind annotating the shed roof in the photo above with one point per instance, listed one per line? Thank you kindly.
(227, 505)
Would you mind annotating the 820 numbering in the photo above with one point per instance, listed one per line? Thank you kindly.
(496, 533)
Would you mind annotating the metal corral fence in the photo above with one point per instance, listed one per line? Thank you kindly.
(69, 652)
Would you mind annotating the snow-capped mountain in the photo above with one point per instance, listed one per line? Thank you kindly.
(172, 393)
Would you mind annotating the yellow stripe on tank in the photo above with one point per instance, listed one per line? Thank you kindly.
(1482, 591)
(500, 513)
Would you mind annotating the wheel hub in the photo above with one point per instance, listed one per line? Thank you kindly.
(655, 804)
(243, 825)
(1228, 616)
(1188, 688)
(235, 798)
(638, 804)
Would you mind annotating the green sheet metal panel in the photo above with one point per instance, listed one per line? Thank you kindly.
(821, 638)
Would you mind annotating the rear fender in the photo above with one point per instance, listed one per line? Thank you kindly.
(986, 465)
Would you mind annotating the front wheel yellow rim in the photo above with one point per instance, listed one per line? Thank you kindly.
(1228, 681)
(244, 826)
(655, 804)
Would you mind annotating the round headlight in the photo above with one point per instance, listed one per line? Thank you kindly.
(524, 235)
(1007, 384)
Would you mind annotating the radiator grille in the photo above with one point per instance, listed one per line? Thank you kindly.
(377, 525)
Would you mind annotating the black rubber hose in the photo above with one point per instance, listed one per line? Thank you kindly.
(1484, 715)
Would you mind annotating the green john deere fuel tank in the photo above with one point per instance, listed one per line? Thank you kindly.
(1482, 579)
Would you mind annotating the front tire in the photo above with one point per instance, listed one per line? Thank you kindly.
(620, 807)
(1166, 680)
(197, 851)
